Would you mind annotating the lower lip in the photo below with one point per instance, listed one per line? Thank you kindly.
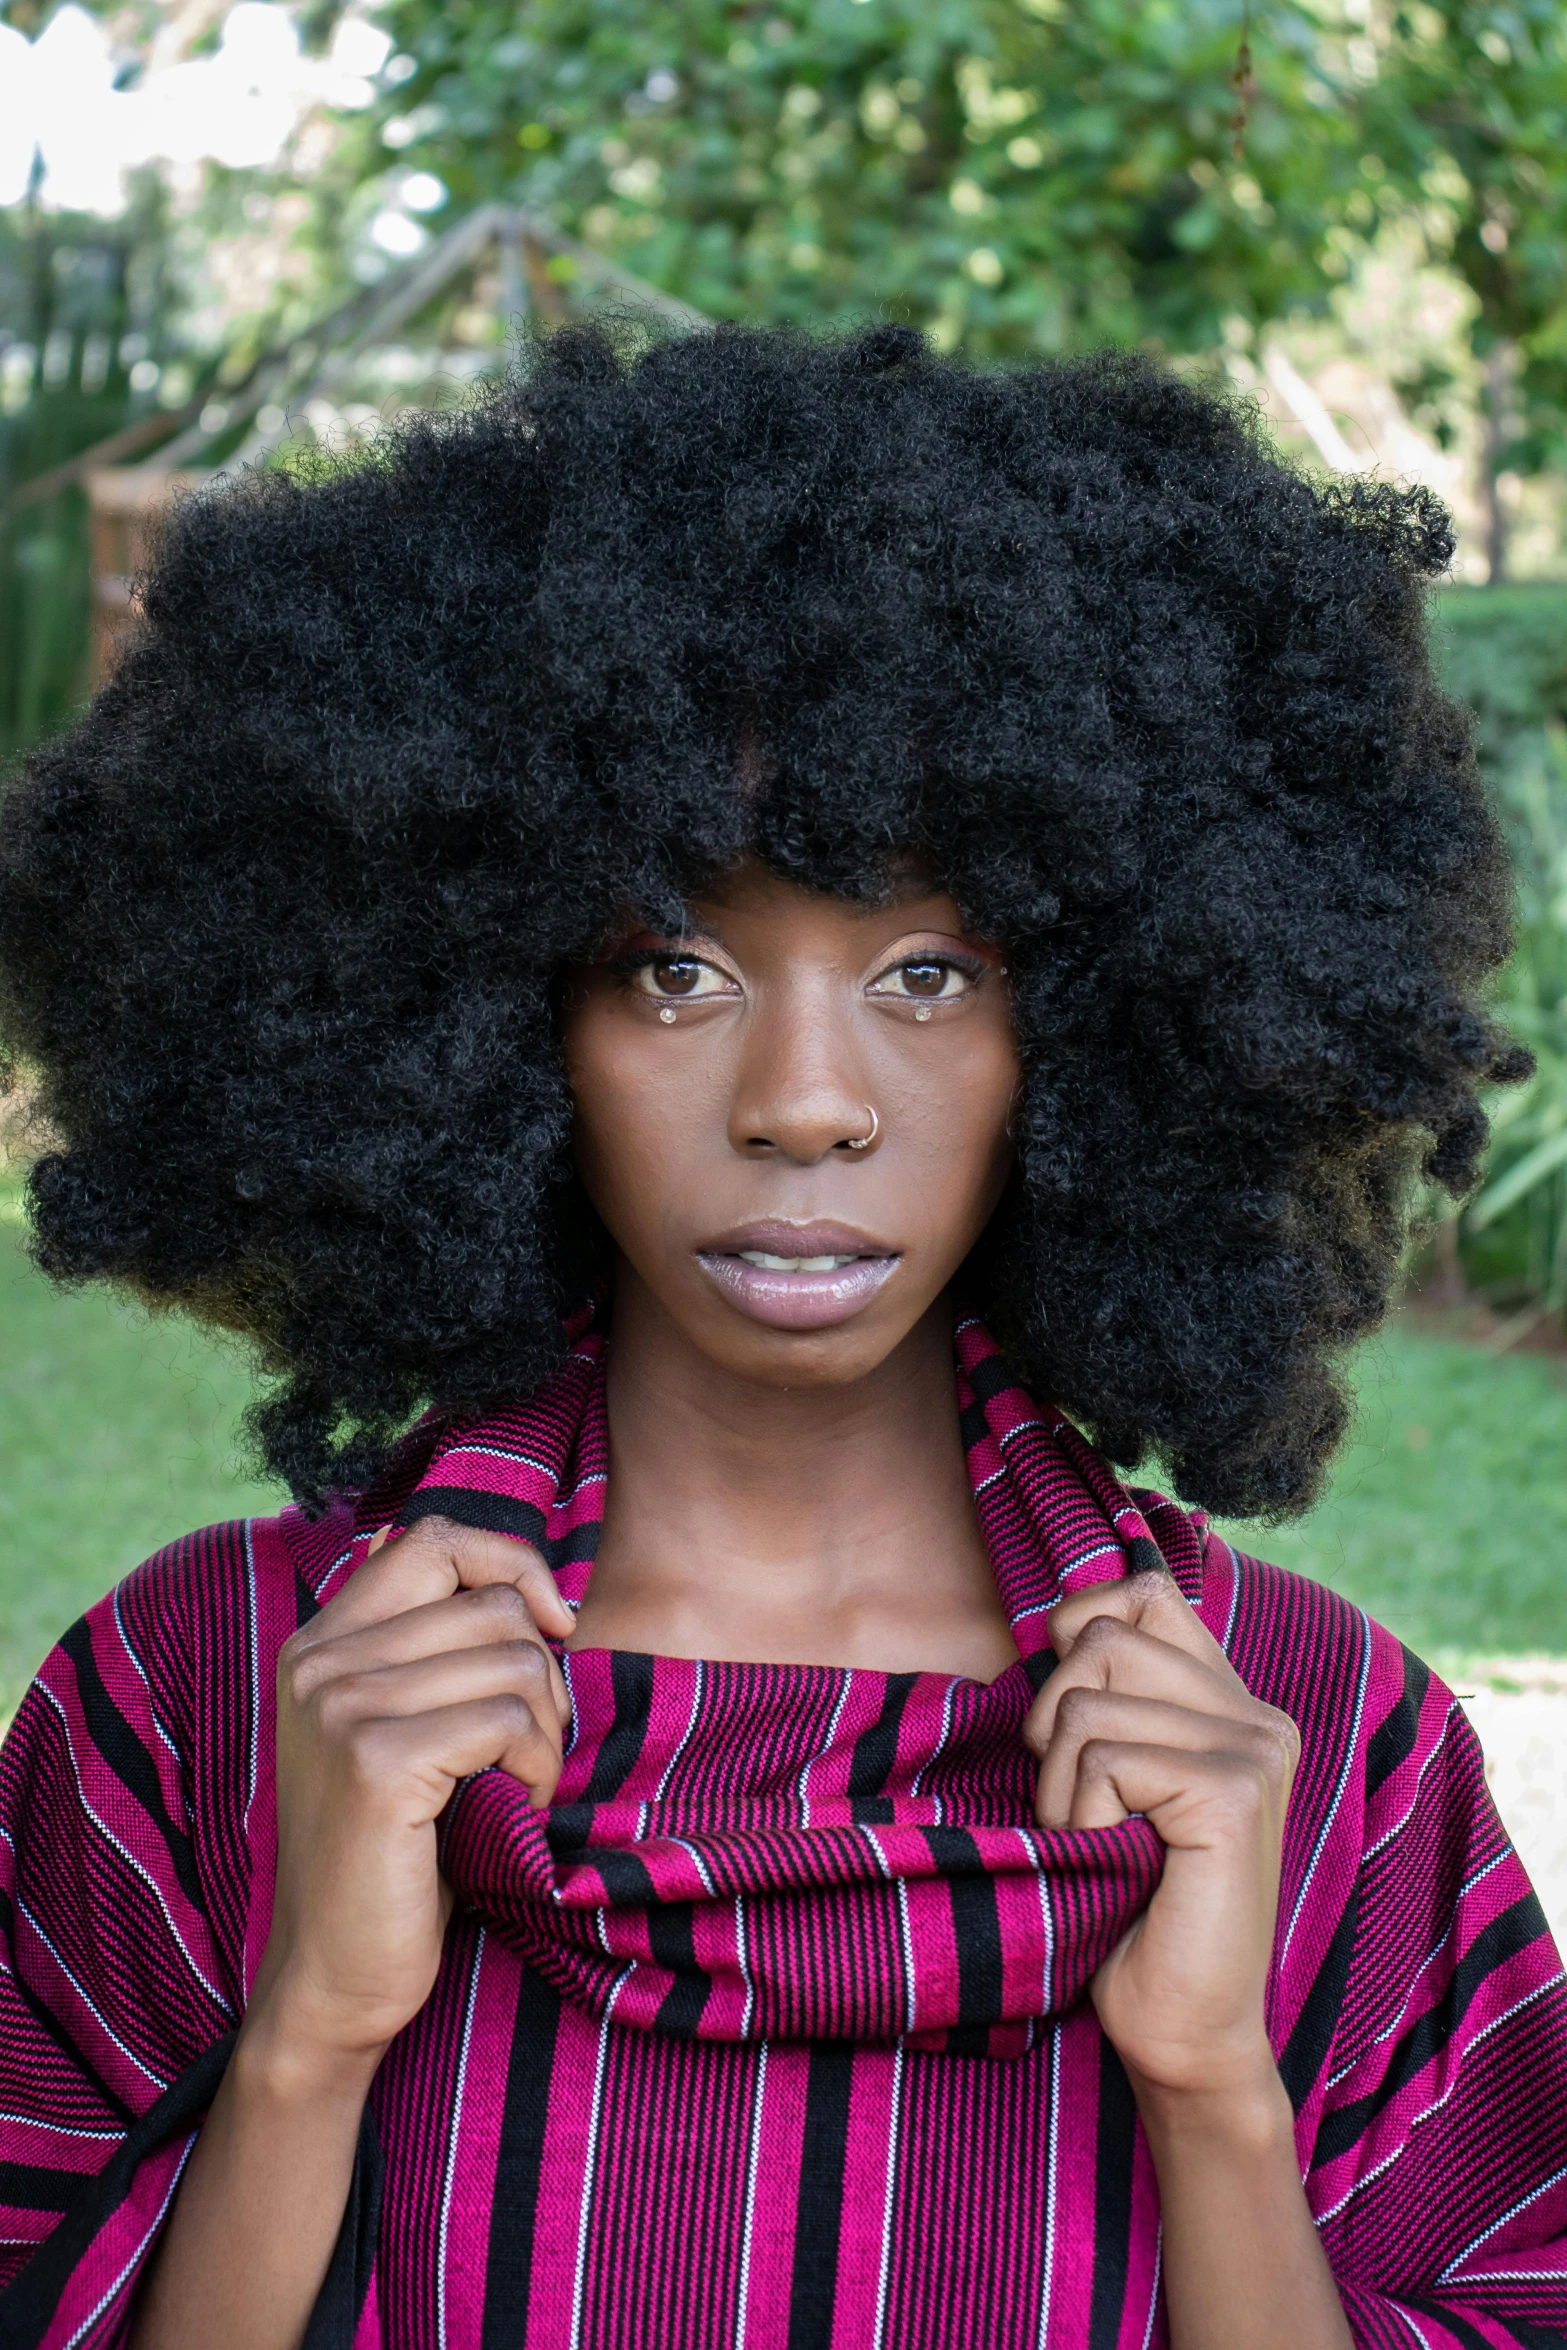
(798, 1301)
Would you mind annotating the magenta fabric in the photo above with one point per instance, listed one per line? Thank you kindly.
(771, 2031)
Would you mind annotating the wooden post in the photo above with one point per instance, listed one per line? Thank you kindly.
(124, 503)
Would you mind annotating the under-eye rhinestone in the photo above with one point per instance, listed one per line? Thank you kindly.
(922, 1012)
(667, 1013)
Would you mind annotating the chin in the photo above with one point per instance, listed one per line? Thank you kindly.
(836, 1357)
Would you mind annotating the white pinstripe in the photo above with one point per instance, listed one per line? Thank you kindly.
(131, 1862)
(590, 2167)
(451, 2139)
(752, 2157)
(886, 2214)
(1351, 1749)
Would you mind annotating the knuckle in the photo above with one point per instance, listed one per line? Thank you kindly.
(1273, 1741)
(299, 1670)
(532, 1663)
(436, 1527)
(1096, 1756)
(1102, 1632)
(337, 1705)
(1077, 1709)
(506, 1604)
(1286, 1730)
(512, 1715)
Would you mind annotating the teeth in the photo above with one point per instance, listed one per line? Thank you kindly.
(767, 1264)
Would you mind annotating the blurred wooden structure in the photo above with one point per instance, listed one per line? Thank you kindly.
(124, 502)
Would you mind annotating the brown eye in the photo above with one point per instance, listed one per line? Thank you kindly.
(925, 979)
(676, 978)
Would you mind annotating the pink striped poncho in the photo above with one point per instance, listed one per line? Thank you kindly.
(771, 2032)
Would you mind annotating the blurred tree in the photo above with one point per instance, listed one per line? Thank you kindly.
(84, 325)
(1465, 105)
(1014, 175)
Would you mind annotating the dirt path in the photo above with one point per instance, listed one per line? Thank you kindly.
(1523, 1729)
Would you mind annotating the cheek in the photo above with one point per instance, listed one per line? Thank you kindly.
(634, 1122)
(980, 1093)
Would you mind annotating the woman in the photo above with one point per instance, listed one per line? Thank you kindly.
(866, 892)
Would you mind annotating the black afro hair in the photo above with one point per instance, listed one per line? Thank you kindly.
(282, 918)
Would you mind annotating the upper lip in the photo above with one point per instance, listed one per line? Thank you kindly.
(773, 1237)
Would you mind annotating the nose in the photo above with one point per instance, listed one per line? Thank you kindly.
(802, 1088)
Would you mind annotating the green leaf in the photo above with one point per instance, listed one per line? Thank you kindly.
(1521, 1178)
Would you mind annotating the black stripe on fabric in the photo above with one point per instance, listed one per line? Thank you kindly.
(976, 1924)
(819, 2207)
(52, 2028)
(490, 1513)
(1144, 1557)
(992, 1377)
(29, 2186)
(1306, 2050)
(671, 1934)
(872, 1811)
(306, 1603)
(580, 1542)
(631, 1677)
(1514, 1930)
(28, 2304)
(1039, 1667)
(567, 1828)
(876, 1749)
(624, 1877)
(1459, 2327)
(973, 1426)
(128, 1759)
(519, 2165)
(1112, 2200)
(1394, 1740)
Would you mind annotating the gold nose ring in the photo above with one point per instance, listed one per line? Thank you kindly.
(863, 1142)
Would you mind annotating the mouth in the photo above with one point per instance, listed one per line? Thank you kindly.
(798, 1276)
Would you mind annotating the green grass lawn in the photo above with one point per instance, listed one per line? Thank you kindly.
(116, 1433)
(1448, 1517)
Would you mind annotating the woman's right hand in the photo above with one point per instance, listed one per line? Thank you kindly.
(426, 1667)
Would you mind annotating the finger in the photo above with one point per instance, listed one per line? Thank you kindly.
(494, 1612)
(413, 1762)
(1112, 1653)
(1102, 1716)
(1193, 1801)
(1153, 1602)
(434, 1559)
(432, 1684)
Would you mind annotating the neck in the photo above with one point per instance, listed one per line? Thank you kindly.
(829, 1525)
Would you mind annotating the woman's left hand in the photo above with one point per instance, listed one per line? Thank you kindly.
(1146, 1714)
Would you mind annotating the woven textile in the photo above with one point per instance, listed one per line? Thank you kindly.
(770, 2032)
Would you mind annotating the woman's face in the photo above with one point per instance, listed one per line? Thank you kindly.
(721, 1080)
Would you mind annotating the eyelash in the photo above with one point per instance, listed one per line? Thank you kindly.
(971, 968)
(638, 959)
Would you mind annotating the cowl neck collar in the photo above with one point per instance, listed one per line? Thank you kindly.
(748, 1851)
